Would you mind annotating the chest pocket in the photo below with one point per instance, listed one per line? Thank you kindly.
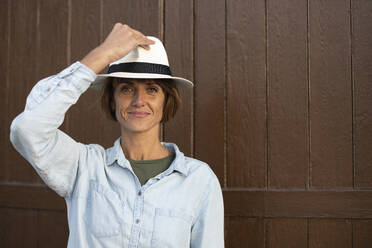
(172, 228)
(104, 214)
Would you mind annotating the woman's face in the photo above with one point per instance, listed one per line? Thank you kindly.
(138, 104)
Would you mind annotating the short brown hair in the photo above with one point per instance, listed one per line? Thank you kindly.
(172, 99)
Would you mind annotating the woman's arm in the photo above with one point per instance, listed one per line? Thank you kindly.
(34, 133)
(208, 229)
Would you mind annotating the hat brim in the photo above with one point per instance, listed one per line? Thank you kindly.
(101, 79)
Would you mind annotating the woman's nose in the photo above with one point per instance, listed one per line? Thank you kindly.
(138, 98)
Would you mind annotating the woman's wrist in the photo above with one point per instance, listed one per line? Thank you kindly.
(96, 60)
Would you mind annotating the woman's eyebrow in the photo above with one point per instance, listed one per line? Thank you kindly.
(151, 83)
(126, 82)
(130, 83)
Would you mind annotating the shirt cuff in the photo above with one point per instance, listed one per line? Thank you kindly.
(78, 70)
(87, 70)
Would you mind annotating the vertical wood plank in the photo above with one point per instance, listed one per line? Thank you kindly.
(178, 39)
(362, 81)
(287, 94)
(85, 27)
(244, 232)
(4, 227)
(17, 228)
(362, 230)
(4, 101)
(22, 76)
(56, 222)
(52, 37)
(286, 233)
(209, 92)
(330, 94)
(330, 233)
(246, 94)
(85, 36)
(113, 11)
(145, 16)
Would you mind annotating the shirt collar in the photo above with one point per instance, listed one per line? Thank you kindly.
(115, 153)
(179, 162)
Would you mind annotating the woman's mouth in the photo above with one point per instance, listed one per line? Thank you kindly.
(138, 114)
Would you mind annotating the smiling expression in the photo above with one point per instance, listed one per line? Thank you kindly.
(138, 104)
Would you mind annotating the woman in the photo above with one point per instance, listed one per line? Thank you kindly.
(140, 192)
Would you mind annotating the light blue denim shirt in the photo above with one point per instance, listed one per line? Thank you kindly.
(106, 205)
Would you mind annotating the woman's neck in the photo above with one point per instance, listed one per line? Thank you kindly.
(142, 145)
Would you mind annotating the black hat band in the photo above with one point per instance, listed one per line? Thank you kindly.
(140, 67)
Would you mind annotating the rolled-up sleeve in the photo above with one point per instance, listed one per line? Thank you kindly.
(208, 229)
(34, 133)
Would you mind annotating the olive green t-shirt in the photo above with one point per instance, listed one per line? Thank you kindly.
(146, 169)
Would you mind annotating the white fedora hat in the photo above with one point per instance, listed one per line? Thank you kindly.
(142, 64)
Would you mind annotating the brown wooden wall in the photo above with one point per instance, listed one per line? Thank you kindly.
(281, 110)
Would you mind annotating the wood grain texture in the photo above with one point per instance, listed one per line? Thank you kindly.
(85, 27)
(52, 229)
(313, 71)
(330, 94)
(362, 82)
(22, 76)
(209, 93)
(145, 16)
(30, 197)
(244, 203)
(246, 94)
(288, 152)
(298, 204)
(324, 233)
(286, 233)
(18, 228)
(52, 37)
(85, 36)
(178, 41)
(4, 100)
(244, 232)
(362, 230)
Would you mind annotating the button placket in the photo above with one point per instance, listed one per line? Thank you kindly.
(138, 207)
(135, 228)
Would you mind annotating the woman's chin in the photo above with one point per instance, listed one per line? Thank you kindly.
(138, 127)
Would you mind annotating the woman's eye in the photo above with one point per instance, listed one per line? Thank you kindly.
(126, 90)
(152, 90)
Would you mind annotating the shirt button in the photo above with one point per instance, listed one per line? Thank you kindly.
(137, 221)
(140, 193)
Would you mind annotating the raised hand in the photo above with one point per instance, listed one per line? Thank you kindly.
(120, 41)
